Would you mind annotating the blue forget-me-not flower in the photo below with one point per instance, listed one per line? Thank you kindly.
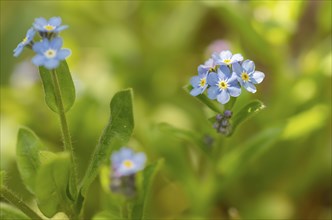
(226, 58)
(199, 84)
(49, 53)
(247, 76)
(53, 25)
(26, 41)
(126, 162)
(223, 85)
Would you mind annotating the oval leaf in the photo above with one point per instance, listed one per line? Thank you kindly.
(66, 85)
(246, 112)
(117, 132)
(51, 185)
(27, 156)
(9, 212)
(139, 206)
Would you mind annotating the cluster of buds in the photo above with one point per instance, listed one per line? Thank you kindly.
(125, 163)
(222, 124)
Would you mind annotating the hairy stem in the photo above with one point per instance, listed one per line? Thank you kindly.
(64, 127)
(10, 197)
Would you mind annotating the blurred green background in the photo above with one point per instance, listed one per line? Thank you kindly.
(278, 164)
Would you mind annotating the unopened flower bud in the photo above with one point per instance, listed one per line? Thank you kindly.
(228, 114)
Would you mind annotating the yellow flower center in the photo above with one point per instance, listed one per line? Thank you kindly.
(25, 40)
(50, 53)
(128, 163)
(227, 61)
(202, 82)
(245, 76)
(49, 27)
(223, 85)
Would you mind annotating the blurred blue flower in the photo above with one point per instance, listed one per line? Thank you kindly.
(26, 41)
(50, 26)
(226, 58)
(247, 76)
(223, 85)
(49, 53)
(199, 84)
(209, 65)
(126, 162)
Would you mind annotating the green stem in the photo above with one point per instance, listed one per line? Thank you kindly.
(10, 197)
(64, 126)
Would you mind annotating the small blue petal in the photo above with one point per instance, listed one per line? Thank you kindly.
(51, 64)
(139, 160)
(237, 69)
(40, 22)
(38, 47)
(249, 87)
(56, 43)
(125, 153)
(234, 91)
(237, 58)
(258, 77)
(213, 92)
(30, 34)
(226, 54)
(212, 79)
(224, 72)
(202, 70)
(196, 91)
(223, 97)
(248, 66)
(18, 50)
(215, 57)
(116, 160)
(38, 60)
(55, 21)
(61, 28)
(63, 54)
(233, 78)
(194, 81)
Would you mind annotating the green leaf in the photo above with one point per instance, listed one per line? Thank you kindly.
(205, 100)
(66, 84)
(117, 132)
(247, 112)
(27, 156)
(8, 212)
(2, 177)
(51, 185)
(139, 207)
(106, 215)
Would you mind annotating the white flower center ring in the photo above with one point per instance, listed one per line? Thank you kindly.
(222, 84)
(50, 53)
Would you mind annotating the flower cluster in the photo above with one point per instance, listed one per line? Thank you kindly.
(125, 163)
(48, 50)
(223, 75)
